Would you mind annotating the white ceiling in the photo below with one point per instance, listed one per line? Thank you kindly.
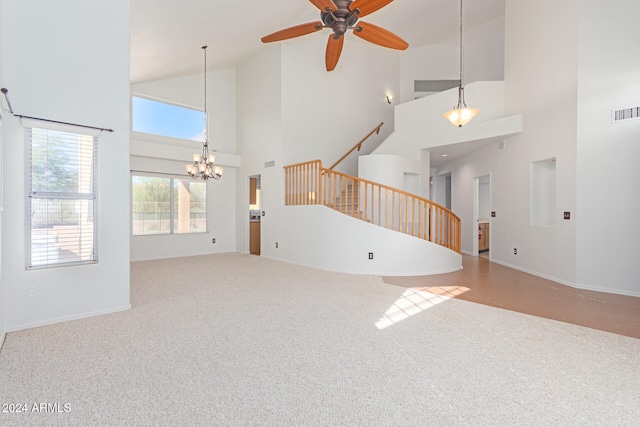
(167, 35)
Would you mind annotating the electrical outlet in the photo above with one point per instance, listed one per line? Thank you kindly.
(567, 215)
(493, 214)
(213, 240)
(276, 245)
(515, 251)
(370, 255)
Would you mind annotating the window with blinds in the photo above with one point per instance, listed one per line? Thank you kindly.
(61, 198)
(163, 205)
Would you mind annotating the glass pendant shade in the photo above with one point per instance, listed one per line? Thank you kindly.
(461, 116)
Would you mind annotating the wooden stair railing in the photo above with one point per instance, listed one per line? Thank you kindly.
(358, 146)
(309, 183)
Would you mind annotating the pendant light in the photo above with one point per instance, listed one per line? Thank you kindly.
(461, 114)
(203, 165)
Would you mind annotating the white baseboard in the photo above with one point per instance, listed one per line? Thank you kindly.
(67, 318)
(571, 284)
(608, 290)
(430, 273)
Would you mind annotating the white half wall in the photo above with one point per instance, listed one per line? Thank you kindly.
(419, 124)
(85, 80)
(317, 236)
(483, 58)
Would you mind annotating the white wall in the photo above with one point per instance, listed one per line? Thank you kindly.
(188, 91)
(484, 199)
(337, 242)
(2, 327)
(541, 40)
(419, 123)
(291, 110)
(157, 154)
(259, 118)
(387, 169)
(607, 154)
(326, 113)
(72, 67)
(221, 215)
(483, 59)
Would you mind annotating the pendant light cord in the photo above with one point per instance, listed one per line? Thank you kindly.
(461, 43)
(206, 124)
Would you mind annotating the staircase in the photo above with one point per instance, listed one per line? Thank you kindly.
(348, 201)
(309, 183)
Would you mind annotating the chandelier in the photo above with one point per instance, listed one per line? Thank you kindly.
(461, 114)
(203, 165)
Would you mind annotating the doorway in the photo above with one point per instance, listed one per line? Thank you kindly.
(482, 216)
(255, 214)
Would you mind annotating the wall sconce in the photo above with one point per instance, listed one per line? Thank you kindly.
(389, 99)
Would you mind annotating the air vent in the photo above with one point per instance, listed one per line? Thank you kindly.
(270, 164)
(626, 114)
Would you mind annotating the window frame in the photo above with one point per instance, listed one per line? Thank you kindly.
(173, 178)
(29, 125)
(197, 137)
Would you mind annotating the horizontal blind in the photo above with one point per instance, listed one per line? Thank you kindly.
(61, 198)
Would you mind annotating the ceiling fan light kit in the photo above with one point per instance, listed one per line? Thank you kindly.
(341, 16)
(461, 114)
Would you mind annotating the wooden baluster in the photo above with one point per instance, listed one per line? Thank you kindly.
(319, 198)
(335, 190)
(373, 203)
(406, 213)
(364, 211)
(305, 184)
(413, 216)
(393, 209)
(352, 195)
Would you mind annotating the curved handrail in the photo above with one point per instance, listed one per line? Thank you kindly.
(358, 145)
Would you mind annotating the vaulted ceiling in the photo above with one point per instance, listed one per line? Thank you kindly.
(166, 35)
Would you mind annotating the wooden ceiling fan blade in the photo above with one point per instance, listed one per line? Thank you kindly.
(291, 32)
(380, 36)
(324, 5)
(334, 49)
(368, 6)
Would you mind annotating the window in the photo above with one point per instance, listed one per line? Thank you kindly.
(163, 205)
(61, 198)
(160, 118)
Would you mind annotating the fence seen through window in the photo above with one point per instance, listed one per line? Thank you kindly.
(163, 205)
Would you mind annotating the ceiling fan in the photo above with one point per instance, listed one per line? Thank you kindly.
(341, 16)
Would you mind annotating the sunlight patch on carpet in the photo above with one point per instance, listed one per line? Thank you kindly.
(417, 300)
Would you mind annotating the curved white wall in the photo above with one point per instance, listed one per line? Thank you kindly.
(387, 169)
(320, 237)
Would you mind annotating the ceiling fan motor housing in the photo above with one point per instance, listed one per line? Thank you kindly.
(341, 20)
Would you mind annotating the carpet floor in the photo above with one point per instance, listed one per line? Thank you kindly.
(264, 343)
